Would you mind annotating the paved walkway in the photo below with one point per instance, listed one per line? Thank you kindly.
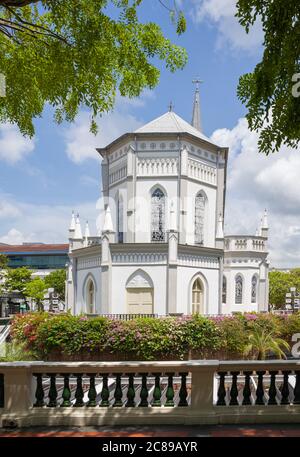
(280, 430)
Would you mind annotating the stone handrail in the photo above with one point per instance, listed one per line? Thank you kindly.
(168, 392)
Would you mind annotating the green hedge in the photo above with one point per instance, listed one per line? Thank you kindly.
(76, 337)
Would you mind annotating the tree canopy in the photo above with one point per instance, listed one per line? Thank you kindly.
(280, 283)
(77, 54)
(268, 92)
(17, 279)
(35, 289)
(56, 280)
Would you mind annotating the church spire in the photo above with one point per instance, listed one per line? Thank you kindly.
(196, 119)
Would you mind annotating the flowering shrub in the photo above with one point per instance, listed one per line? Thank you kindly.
(59, 336)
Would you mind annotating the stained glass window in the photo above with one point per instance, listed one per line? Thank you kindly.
(254, 289)
(224, 290)
(238, 289)
(197, 297)
(199, 219)
(120, 221)
(158, 216)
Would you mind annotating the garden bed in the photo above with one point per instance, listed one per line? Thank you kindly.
(76, 338)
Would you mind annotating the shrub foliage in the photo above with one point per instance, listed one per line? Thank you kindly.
(76, 337)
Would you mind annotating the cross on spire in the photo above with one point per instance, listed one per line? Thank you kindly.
(171, 106)
(197, 81)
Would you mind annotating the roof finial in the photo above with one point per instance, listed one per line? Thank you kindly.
(196, 119)
(171, 106)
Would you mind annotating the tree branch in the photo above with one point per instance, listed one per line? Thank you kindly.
(17, 3)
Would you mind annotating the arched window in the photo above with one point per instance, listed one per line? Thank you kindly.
(90, 297)
(158, 215)
(238, 289)
(254, 289)
(199, 218)
(197, 297)
(224, 290)
(120, 215)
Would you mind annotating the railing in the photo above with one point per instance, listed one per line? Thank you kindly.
(128, 317)
(193, 392)
(245, 244)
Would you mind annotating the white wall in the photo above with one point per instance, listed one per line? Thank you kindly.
(82, 276)
(210, 279)
(120, 276)
(210, 213)
(247, 274)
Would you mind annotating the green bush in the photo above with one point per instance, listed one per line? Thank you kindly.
(59, 336)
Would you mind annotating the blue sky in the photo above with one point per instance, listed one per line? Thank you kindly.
(42, 180)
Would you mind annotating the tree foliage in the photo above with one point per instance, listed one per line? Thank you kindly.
(280, 283)
(35, 290)
(16, 279)
(73, 54)
(57, 280)
(3, 261)
(268, 90)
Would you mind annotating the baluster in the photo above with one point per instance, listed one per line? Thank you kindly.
(157, 391)
(130, 392)
(170, 390)
(92, 395)
(144, 392)
(285, 392)
(66, 395)
(221, 390)
(297, 389)
(79, 391)
(234, 390)
(52, 391)
(183, 390)
(247, 389)
(39, 393)
(118, 392)
(105, 392)
(272, 389)
(1, 390)
(260, 389)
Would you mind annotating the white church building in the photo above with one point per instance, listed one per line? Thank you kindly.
(161, 248)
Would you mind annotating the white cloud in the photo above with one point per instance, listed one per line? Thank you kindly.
(42, 223)
(256, 182)
(81, 144)
(221, 14)
(13, 145)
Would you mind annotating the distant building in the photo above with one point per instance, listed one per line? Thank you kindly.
(42, 258)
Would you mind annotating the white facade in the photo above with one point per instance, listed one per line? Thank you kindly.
(161, 248)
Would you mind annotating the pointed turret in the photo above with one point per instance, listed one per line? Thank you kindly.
(172, 221)
(86, 234)
(264, 225)
(72, 225)
(108, 223)
(220, 231)
(78, 232)
(196, 118)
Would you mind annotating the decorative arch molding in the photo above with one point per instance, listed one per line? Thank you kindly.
(204, 283)
(160, 187)
(86, 293)
(139, 279)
